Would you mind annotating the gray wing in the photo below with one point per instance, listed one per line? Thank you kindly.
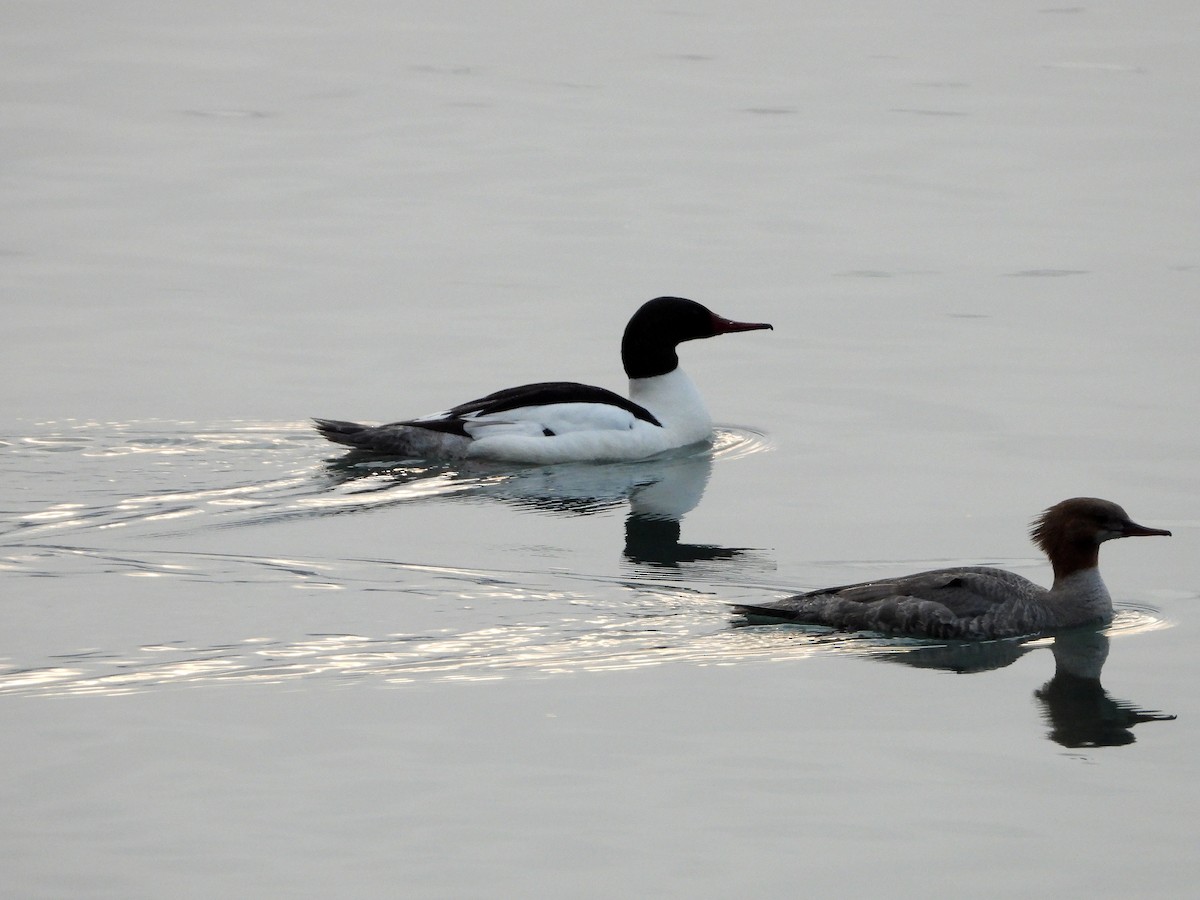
(941, 603)
(964, 591)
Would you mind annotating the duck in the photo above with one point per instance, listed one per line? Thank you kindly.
(980, 602)
(562, 421)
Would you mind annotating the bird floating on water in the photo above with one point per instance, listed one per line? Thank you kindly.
(561, 421)
(979, 602)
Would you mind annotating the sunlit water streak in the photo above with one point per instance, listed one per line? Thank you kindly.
(591, 644)
(247, 491)
(594, 639)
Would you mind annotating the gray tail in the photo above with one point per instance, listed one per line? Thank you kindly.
(348, 433)
(757, 614)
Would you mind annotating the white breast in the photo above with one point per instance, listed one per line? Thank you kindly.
(675, 402)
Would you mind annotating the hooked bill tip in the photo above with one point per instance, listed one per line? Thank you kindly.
(724, 326)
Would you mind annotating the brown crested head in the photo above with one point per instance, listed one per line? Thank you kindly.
(1071, 532)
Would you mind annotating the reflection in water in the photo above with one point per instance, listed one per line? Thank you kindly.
(660, 492)
(1074, 703)
(652, 541)
(1076, 706)
(656, 511)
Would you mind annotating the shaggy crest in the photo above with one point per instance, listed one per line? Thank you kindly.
(1060, 523)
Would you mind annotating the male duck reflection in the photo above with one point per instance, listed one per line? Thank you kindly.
(554, 422)
(978, 602)
(659, 492)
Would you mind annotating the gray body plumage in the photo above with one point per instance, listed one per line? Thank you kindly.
(979, 602)
(967, 602)
(400, 439)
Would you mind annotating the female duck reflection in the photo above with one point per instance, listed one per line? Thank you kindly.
(1075, 705)
(660, 491)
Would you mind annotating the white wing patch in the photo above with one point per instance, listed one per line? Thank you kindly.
(550, 420)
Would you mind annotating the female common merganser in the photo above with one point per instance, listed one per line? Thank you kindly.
(562, 421)
(977, 602)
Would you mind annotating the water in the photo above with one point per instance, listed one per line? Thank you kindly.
(234, 664)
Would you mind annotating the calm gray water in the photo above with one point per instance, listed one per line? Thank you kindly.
(233, 665)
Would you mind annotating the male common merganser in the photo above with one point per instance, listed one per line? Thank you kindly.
(978, 602)
(563, 421)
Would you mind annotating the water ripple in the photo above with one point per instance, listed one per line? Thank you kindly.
(592, 642)
(236, 478)
(607, 626)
